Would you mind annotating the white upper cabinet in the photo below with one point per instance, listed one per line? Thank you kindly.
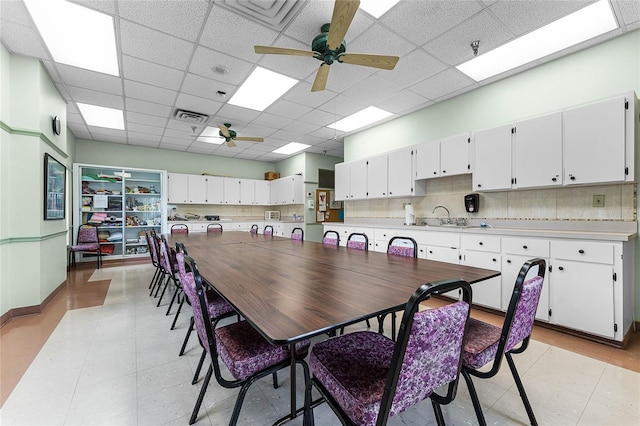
(290, 190)
(263, 192)
(197, 189)
(537, 152)
(342, 175)
(358, 180)
(178, 185)
(215, 190)
(401, 165)
(231, 191)
(594, 143)
(454, 155)
(377, 177)
(428, 160)
(247, 192)
(492, 159)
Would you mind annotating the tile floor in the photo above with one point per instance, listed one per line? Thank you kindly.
(117, 363)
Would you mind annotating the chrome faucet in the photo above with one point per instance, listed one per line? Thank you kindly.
(446, 209)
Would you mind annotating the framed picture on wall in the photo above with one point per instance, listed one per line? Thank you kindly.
(55, 175)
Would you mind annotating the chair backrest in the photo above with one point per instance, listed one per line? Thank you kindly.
(152, 249)
(518, 322)
(198, 295)
(179, 228)
(331, 238)
(428, 352)
(254, 229)
(167, 257)
(297, 234)
(268, 230)
(403, 246)
(88, 234)
(358, 240)
(214, 227)
(155, 247)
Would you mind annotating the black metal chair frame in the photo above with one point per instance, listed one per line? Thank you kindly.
(154, 262)
(504, 336)
(298, 229)
(214, 226)
(179, 226)
(265, 229)
(170, 274)
(359, 234)
(424, 292)
(400, 238)
(332, 232)
(214, 368)
(161, 272)
(254, 226)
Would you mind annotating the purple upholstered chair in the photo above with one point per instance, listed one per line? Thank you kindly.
(87, 241)
(403, 246)
(245, 353)
(254, 229)
(214, 227)
(155, 261)
(367, 377)
(297, 234)
(331, 238)
(169, 269)
(358, 241)
(268, 230)
(179, 228)
(486, 343)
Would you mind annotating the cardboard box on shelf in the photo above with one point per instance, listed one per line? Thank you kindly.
(271, 175)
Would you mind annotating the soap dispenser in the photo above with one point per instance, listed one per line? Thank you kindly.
(472, 203)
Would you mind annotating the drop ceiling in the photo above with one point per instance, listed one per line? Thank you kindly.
(168, 49)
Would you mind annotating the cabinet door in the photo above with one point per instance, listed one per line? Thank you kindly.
(594, 143)
(537, 152)
(511, 265)
(582, 296)
(197, 189)
(285, 190)
(231, 191)
(487, 292)
(342, 181)
(377, 177)
(492, 159)
(358, 180)
(215, 190)
(297, 188)
(247, 192)
(400, 182)
(263, 192)
(273, 192)
(178, 185)
(428, 160)
(454, 155)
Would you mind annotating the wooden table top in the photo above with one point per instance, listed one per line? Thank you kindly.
(291, 290)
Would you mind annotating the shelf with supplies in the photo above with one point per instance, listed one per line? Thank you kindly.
(123, 203)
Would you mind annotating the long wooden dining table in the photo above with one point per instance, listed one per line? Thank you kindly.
(293, 290)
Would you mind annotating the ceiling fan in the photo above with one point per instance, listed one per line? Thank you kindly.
(329, 46)
(230, 135)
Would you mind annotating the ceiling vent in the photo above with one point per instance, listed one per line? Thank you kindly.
(276, 14)
(191, 117)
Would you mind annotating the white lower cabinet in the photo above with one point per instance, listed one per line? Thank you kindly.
(483, 251)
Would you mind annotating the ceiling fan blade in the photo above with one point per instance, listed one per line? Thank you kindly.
(268, 50)
(244, 138)
(343, 13)
(231, 144)
(375, 61)
(321, 78)
(225, 130)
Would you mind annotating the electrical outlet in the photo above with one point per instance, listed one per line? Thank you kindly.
(598, 201)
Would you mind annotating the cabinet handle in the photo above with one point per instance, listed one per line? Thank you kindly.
(435, 173)
(494, 259)
(479, 186)
(481, 243)
(581, 251)
(430, 251)
(560, 268)
(444, 171)
(525, 247)
(554, 179)
(572, 178)
(508, 260)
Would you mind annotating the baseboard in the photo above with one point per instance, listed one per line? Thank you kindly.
(30, 310)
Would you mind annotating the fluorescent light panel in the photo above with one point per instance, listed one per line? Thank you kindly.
(101, 116)
(291, 148)
(360, 119)
(575, 28)
(211, 135)
(261, 89)
(377, 8)
(76, 35)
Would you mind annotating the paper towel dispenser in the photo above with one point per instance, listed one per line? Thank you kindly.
(472, 203)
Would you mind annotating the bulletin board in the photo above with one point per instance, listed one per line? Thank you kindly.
(327, 209)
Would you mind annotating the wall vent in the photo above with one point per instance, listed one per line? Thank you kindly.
(191, 117)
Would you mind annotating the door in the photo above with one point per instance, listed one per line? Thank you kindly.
(511, 265)
(400, 183)
(342, 181)
(492, 159)
(231, 191)
(454, 155)
(215, 190)
(263, 192)
(178, 185)
(197, 189)
(247, 192)
(428, 160)
(537, 152)
(487, 292)
(377, 177)
(358, 180)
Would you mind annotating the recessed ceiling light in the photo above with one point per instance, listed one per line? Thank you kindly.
(261, 89)
(101, 116)
(210, 135)
(360, 119)
(377, 8)
(76, 35)
(220, 69)
(575, 28)
(291, 148)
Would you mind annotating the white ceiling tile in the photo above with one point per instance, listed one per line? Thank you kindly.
(331, 145)
(379, 40)
(149, 120)
(179, 18)
(93, 97)
(207, 88)
(402, 102)
(271, 121)
(454, 46)
(149, 93)
(241, 114)
(149, 108)
(137, 139)
(284, 108)
(15, 12)
(301, 127)
(79, 134)
(172, 147)
(630, 11)
(412, 68)
(441, 84)
(103, 131)
(174, 139)
(73, 117)
(154, 46)
(205, 59)
(343, 105)
(86, 79)
(141, 128)
(136, 136)
(318, 117)
(106, 6)
(421, 21)
(301, 94)
(228, 32)
(197, 104)
(52, 70)
(77, 128)
(521, 17)
(135, 69)
(22, 40)
(343, 76)
(363, 90)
